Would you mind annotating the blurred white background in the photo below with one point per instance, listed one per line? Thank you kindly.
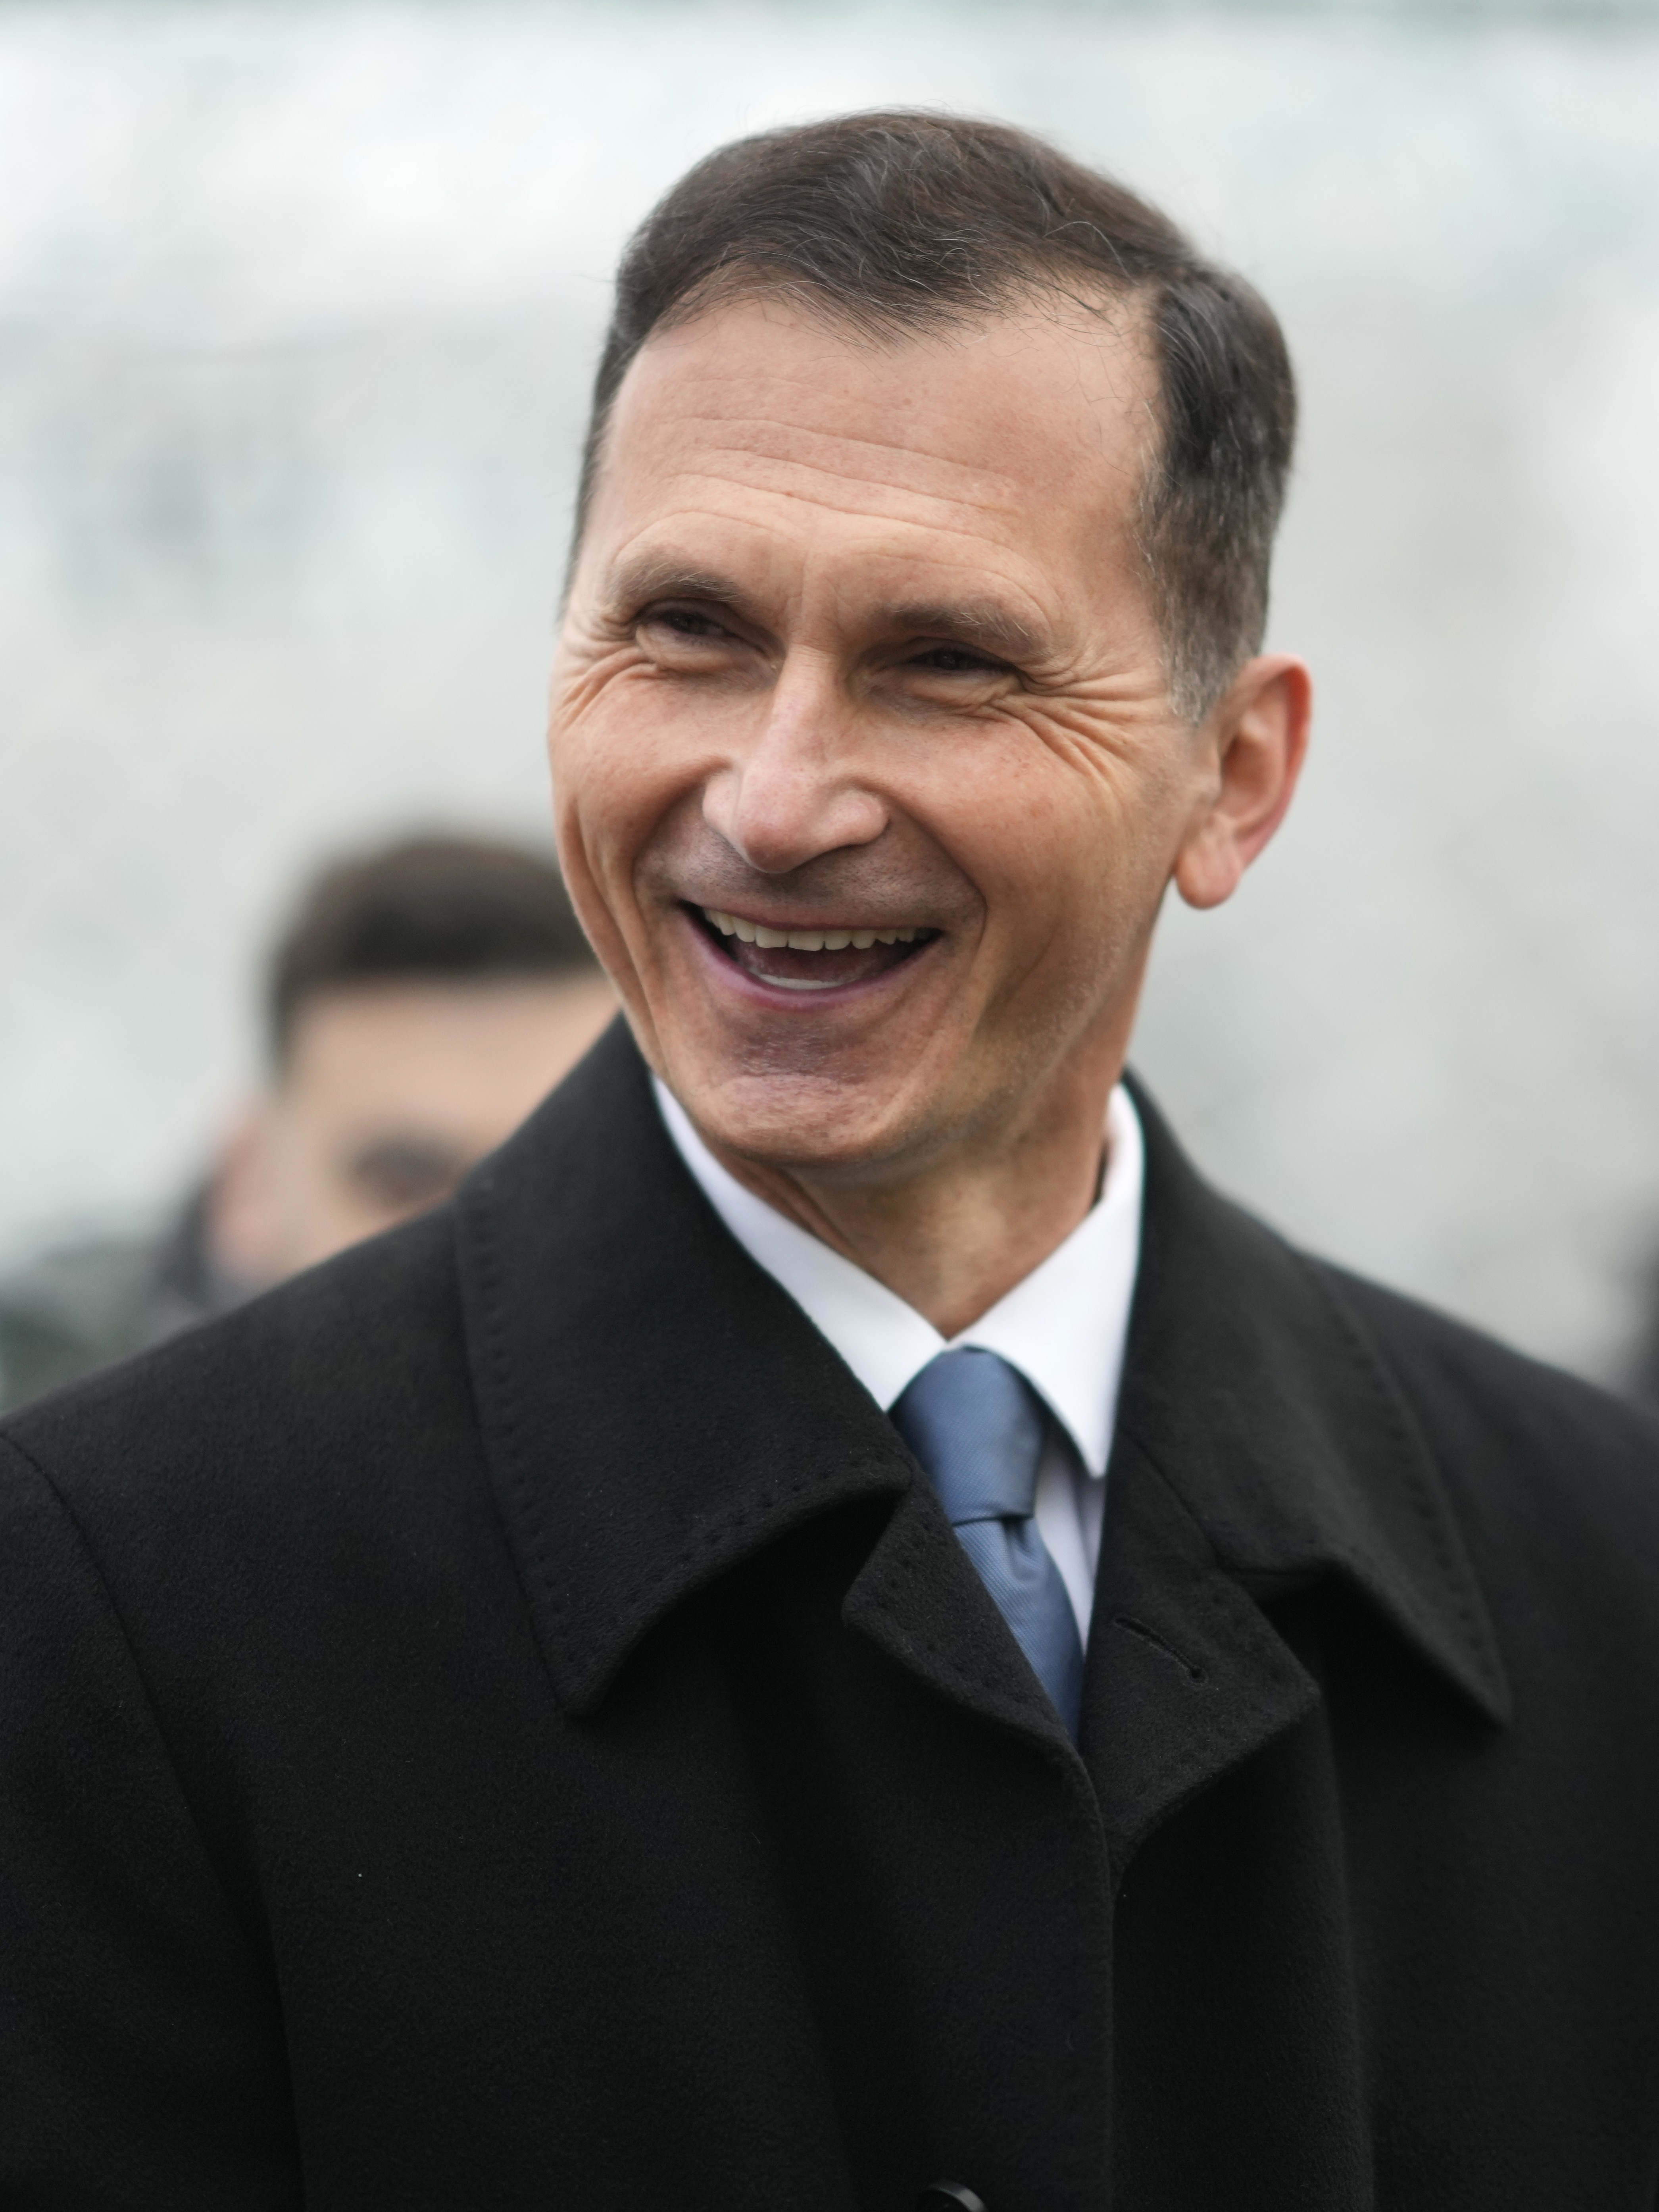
(298, 307)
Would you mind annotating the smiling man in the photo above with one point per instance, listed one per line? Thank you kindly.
(841, 1633)
(872, 775)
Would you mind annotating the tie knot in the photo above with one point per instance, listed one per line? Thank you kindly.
(976, 1425)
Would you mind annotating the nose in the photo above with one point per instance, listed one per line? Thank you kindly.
(793, 792)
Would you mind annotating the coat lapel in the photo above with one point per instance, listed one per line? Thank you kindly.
(1186, 1677)
(920, 1601)
(655, 1409)
(1261, 1447)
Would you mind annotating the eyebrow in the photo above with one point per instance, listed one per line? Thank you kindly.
(984, 624)
(981, 622)
(662, 577)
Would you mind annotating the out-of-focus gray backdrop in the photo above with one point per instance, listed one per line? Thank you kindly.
(298, 305)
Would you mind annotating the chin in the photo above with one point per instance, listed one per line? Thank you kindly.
(821, 1121)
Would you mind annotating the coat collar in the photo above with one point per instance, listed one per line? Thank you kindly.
(1262, 1447)
(655, 1410)
(1254, 1390)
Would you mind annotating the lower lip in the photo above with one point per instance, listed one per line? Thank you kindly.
(779, 998)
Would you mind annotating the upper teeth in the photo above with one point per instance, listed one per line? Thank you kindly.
(805, 940)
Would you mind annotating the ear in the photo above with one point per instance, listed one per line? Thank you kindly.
(1258, 735)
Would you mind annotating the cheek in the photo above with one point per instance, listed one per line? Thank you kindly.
(622, 777)
(1028, 830)
(1109, 800)
(617, 772)
(1070, 855)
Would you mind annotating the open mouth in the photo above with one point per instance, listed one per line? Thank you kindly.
(819, 958)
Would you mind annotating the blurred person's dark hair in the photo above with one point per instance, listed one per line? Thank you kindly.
(894, 223)
(467, 909)
(420, 998)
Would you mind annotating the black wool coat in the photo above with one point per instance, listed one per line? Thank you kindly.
(503, 1722)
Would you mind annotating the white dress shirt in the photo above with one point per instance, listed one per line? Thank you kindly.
(1063, 1327)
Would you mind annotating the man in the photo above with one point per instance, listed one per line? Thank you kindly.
(843, 1632)
(421, 1001)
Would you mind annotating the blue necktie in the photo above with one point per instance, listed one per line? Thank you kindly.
(976, 1425)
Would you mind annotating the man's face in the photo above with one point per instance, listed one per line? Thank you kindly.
(391, 1093)
(868, 784)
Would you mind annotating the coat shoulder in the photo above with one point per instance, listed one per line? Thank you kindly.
(341, 1366)
(1451, 1366)
(1558, 1477)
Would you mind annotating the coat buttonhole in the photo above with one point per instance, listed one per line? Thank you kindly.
(1133, 1627)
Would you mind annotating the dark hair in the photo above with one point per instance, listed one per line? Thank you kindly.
(426, 909)
(893, 222)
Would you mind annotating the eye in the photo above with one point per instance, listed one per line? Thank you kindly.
(401, 1174)
(684, 622)
(956, 661)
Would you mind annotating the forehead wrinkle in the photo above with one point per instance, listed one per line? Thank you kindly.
(704, 396)
(790, 435)
(768, 438)
(836, 494)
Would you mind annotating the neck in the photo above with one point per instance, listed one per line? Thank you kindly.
(954, 1237)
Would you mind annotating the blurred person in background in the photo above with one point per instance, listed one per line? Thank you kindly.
(423, 997)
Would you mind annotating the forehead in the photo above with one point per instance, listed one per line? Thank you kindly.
(386, 1038)
(1025, 433)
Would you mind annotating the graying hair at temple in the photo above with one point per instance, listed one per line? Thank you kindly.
(898, 222)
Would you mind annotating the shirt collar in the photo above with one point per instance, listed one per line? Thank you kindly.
(1063, 1326)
